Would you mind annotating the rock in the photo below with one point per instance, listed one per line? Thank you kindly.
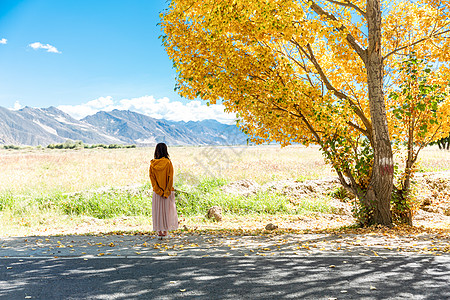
(215, 212)
(271, 226)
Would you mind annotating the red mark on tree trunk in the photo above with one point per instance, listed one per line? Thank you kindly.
(386, 166)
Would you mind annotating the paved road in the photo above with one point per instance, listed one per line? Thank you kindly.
(138, 267)
(397, 277)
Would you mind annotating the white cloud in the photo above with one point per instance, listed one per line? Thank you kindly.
(16, 106)
(156, 108)
(3, 41)
(101, 102)
(47, 47)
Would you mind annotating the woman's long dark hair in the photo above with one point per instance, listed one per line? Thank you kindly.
(161, 151)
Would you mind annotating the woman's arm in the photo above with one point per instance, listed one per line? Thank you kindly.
(169, 186)
(155, 185)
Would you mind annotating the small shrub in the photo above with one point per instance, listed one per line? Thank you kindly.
(11, 147)
(342, 194)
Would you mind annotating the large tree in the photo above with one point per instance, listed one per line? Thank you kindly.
(310, 72)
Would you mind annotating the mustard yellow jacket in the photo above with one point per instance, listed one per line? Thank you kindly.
(161, 176)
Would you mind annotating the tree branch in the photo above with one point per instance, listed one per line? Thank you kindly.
(298, 115)
(363, 131)
(351, 5)
(350, 39)
(311, 129)
(341, 95)
(415, 43)
(357, 192)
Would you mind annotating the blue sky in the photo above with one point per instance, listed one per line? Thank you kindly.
(88, 55)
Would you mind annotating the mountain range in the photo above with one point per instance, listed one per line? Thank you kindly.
(44, 126)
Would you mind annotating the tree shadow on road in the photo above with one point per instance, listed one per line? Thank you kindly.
(313, 277)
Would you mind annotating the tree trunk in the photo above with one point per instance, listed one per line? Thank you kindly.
(379, 192)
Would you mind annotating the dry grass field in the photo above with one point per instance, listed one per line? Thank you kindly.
(40, 174)
(40, 170)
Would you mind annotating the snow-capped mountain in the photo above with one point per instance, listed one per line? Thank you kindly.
(43, 126)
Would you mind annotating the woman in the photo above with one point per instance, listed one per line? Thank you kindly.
(164, 211)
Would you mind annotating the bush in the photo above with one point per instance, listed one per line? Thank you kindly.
(12, 147)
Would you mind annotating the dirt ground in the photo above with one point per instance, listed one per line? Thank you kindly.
(432, 196)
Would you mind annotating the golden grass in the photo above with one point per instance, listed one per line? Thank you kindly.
(41, 170)
(431, 159)
(25, 171)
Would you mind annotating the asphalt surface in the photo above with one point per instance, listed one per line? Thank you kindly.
(214, 267)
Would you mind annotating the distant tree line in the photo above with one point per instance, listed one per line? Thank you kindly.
(443, 143)
(69, 144)
(13, 147)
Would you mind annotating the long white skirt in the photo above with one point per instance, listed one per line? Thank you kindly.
(164, 213)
